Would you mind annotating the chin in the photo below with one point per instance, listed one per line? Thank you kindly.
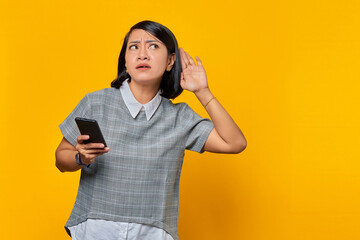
(145, 78)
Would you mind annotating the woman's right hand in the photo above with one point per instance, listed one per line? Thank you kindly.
(89, 151)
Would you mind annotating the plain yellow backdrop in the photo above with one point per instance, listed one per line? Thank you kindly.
(287, 71)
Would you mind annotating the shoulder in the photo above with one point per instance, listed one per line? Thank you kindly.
(103, 92)
(103, 95)
(182, 111)
(168, 105)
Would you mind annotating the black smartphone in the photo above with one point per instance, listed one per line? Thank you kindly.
(90, 127)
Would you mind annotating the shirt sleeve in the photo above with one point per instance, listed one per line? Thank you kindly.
(68, 127)
(197, 129)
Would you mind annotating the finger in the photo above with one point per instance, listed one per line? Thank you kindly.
(89, 153)
(82, 138)
(94, 145)
(185, 58)
(182, 60)
(91, 157)
(182, 83)
(190, 59)
(95, 151)
(199, 61)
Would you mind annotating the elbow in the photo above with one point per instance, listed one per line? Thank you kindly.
(57, 164)
(59, 167)
(239, 147)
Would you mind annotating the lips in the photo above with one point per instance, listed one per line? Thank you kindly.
(143, 66)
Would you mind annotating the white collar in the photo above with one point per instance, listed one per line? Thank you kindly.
(134, 106)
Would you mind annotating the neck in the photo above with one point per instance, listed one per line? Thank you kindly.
(143, 93)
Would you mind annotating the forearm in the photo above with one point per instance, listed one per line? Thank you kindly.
(224, 124)
(65, 160)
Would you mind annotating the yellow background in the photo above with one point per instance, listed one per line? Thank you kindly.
(287, 71)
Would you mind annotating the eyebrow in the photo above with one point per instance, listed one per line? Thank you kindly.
(147, 41)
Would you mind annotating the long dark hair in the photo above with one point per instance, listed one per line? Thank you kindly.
(170, 83)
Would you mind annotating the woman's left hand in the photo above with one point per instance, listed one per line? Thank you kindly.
(193, 77)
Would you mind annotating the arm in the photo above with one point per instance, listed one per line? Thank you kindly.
(65, 153)
(226, 137)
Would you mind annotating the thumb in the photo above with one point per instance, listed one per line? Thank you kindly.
(182, 83)
(82, 138)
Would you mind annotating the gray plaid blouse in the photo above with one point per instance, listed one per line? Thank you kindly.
(138, 179)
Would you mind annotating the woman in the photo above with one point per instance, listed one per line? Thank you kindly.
(130, 188)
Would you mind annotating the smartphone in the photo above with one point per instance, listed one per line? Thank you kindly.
(90, 127)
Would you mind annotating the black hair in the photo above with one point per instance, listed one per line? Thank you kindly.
(170, 83)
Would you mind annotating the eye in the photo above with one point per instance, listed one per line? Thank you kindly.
(153, 46)
(132, 47)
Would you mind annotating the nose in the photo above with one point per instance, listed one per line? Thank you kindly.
(142, 54)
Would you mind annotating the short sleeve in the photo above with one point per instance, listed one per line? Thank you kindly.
(197, 129)
(68, 127)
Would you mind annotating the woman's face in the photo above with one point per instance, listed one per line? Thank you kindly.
(146, 58)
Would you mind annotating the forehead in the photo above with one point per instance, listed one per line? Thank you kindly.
(139, 34)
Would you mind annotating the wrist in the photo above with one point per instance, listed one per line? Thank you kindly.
(78, 160)
(204, 95)
(202, 91)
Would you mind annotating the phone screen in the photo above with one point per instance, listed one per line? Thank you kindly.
(90, 127)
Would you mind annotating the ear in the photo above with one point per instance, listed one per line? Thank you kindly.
(171, 62)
